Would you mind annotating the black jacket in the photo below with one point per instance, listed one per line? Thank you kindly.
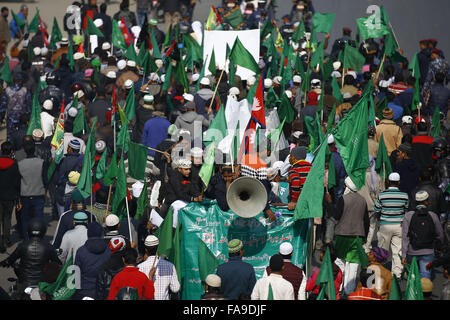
(9, 179)
(105, 275)
(34, 254)
(439, 97)
(217, 189)
(178, 188)
(437, 203)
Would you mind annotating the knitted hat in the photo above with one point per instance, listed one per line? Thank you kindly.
(268, 83)
(73, 112)
(394, 176)
(388, 113)
(297, 79)
(183, 163)
(205, 81)
(131, 63)
(151, 241)
(112, 220)
(407, 119)
(116, 244)
(121, 64)
(148, 99)
(128, 84)
(299, 153)
(80, 217)
(95, 230)
(188, 97)
(405, 147)
(235, 245)
(380, 254)
(195, 77)
(48, 104)
(276, 262)
(213, 280)
(196, 152)
(100, 146)
(75, 144)
(286, 248)
(106, 46)
(421, 196)
(74, 176)
(330, 139)
(172, 129)
(111, 75)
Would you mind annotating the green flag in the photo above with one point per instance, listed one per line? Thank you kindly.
(56, 34)
(285, 110)
(121, 190)
(165, 234)
(117, 36)
(325, 278)
(181, 76)
(331, 171)
(217, 129)
(19, 22)
(242, 57)
(85, 182)
(270, 294)
(112, 172)
(309, 204)
(130, 53)
(167, 39)
(416, 97)
(207, 169)
(350, 135)
(312, 126)
(130, 108)
(371, 27)
(353, 59)
(100, 171)
(123, 138)
(60, 289)
(156, 53)
(168, 78)
(70, 56)
(234, 17)
(323, 22)
(267, 28)
(414, 67)
(336, 90)
(207, 261)
(383, 164)
(274, 136)
(35, 119)
(33, 27)
(413, 286)
(5, 72)
(331, 119)
(142, 202)
(299, 32)
(396, 292)
(212, 63)
(137, 159)
(141, 55)
(80, 125)
(436, 123)
(390, 45)
(91, 29)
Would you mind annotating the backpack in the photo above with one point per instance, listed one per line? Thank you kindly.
(421, 232)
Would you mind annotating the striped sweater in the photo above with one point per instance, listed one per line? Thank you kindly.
(392, 204)
(297, 178)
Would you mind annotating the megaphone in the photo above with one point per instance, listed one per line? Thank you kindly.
(247, 197)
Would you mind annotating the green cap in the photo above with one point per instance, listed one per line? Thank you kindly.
(77, 196)
(80, 217)
(153, 22)
(235, 245)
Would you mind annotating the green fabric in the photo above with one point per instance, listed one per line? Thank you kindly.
(123, 138)
(70, 57)
(383, 164)
(414, 67)
(100, 171)
(207, 261)
(217, 129)
(19, 22)
(5, 72)
(59, 290)
(331, 119)
(181, 76)
(299, 32)
(130, 105)
(212, 63)
(416, 97)
(137, 159)
(325, 278)
(168, 78)
(121, 191)
(323, 22)
(350, 135)
(242, 57)
(84, 185)
(347, 248)
(285, 110)
(274, 136)
(309, 204)
(35, 119)
(413, 286)
(267, 28)
(56, 34)
(390, 45)
(33, 27)
(353, 59)
(112, 172)
(436, 123)
(234, 17)
(368, 28)
(207, 169)
(165, 234)
(396, 292)
(156, 53)
(91, 29)
(130, 53)
(142, 202)
(117, 36)
(270, 294)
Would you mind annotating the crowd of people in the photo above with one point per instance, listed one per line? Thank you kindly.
(73, 102)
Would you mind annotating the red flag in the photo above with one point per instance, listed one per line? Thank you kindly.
(127, 35)
(89, 13)
(80, 48)
(43, 29)
(257, 117)
(219, 19)
(171, 48)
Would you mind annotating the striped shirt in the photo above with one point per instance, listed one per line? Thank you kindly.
(165, 277)
(392, 204)
(297, 178)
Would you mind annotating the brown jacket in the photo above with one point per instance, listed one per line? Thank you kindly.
(124, 77)
(58, 54)
(392, 134)
(4, 30)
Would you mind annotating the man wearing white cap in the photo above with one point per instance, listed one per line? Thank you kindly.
(421, 229)
(392, 204)
(161, 271)
(212, 288)
(47, 120)
(129, 74)
(202, 98)
(113, 229)
(291, 272)
(352, 227)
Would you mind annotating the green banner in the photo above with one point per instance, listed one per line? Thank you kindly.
(216, 228)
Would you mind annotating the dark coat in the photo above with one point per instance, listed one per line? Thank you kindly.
(9, 179)
(437, 203)
(238, 278)
(439, 97)
(408, 169)
(65, 224)
(106, 273)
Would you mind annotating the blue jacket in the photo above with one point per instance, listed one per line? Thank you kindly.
(90, 258)
(65, 223)
(238, 278)
(155, 131)
(404, 99)
(13, 28)
(439, 97)
(398, 110)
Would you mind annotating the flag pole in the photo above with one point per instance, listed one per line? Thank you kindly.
(395, 36)
(215, 91)
(128, 215)
(109, 198)
(381, 65)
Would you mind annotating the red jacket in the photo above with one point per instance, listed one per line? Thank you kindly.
(132, 277)
(364, 294)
